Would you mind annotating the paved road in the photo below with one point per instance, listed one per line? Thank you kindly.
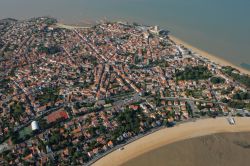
(188, 99)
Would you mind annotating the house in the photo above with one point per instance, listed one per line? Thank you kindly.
(96, 150)
(90, 154)
(110, 144)
(134, 107)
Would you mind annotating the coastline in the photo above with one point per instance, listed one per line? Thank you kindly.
(170, 135)
(148, 141)
(229, 149)
(211, 57)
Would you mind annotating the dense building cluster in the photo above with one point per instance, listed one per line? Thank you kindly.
(87, 90)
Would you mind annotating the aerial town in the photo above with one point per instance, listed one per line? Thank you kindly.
(72, 95)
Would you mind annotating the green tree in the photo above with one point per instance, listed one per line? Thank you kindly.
(217, 80)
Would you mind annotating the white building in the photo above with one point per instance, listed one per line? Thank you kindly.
(34, 126)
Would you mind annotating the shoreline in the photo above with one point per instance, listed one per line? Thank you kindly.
(205, 54)
(211, 57)
(200, 52)
(170, 135)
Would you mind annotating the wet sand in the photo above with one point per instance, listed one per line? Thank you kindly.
(229, 149)
(167, 136)
(209, 56)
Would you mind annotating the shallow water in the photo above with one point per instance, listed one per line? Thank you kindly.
(221, 27)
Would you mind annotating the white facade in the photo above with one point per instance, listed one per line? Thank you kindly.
(34, 125)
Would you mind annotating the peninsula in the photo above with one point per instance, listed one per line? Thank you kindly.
(71, 95)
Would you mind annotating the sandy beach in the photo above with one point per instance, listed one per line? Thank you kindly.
(221, 149)
(170, 135)
(209, 56)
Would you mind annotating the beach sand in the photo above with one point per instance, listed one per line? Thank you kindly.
(211, 57)
(229, 149)
(170, 135)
